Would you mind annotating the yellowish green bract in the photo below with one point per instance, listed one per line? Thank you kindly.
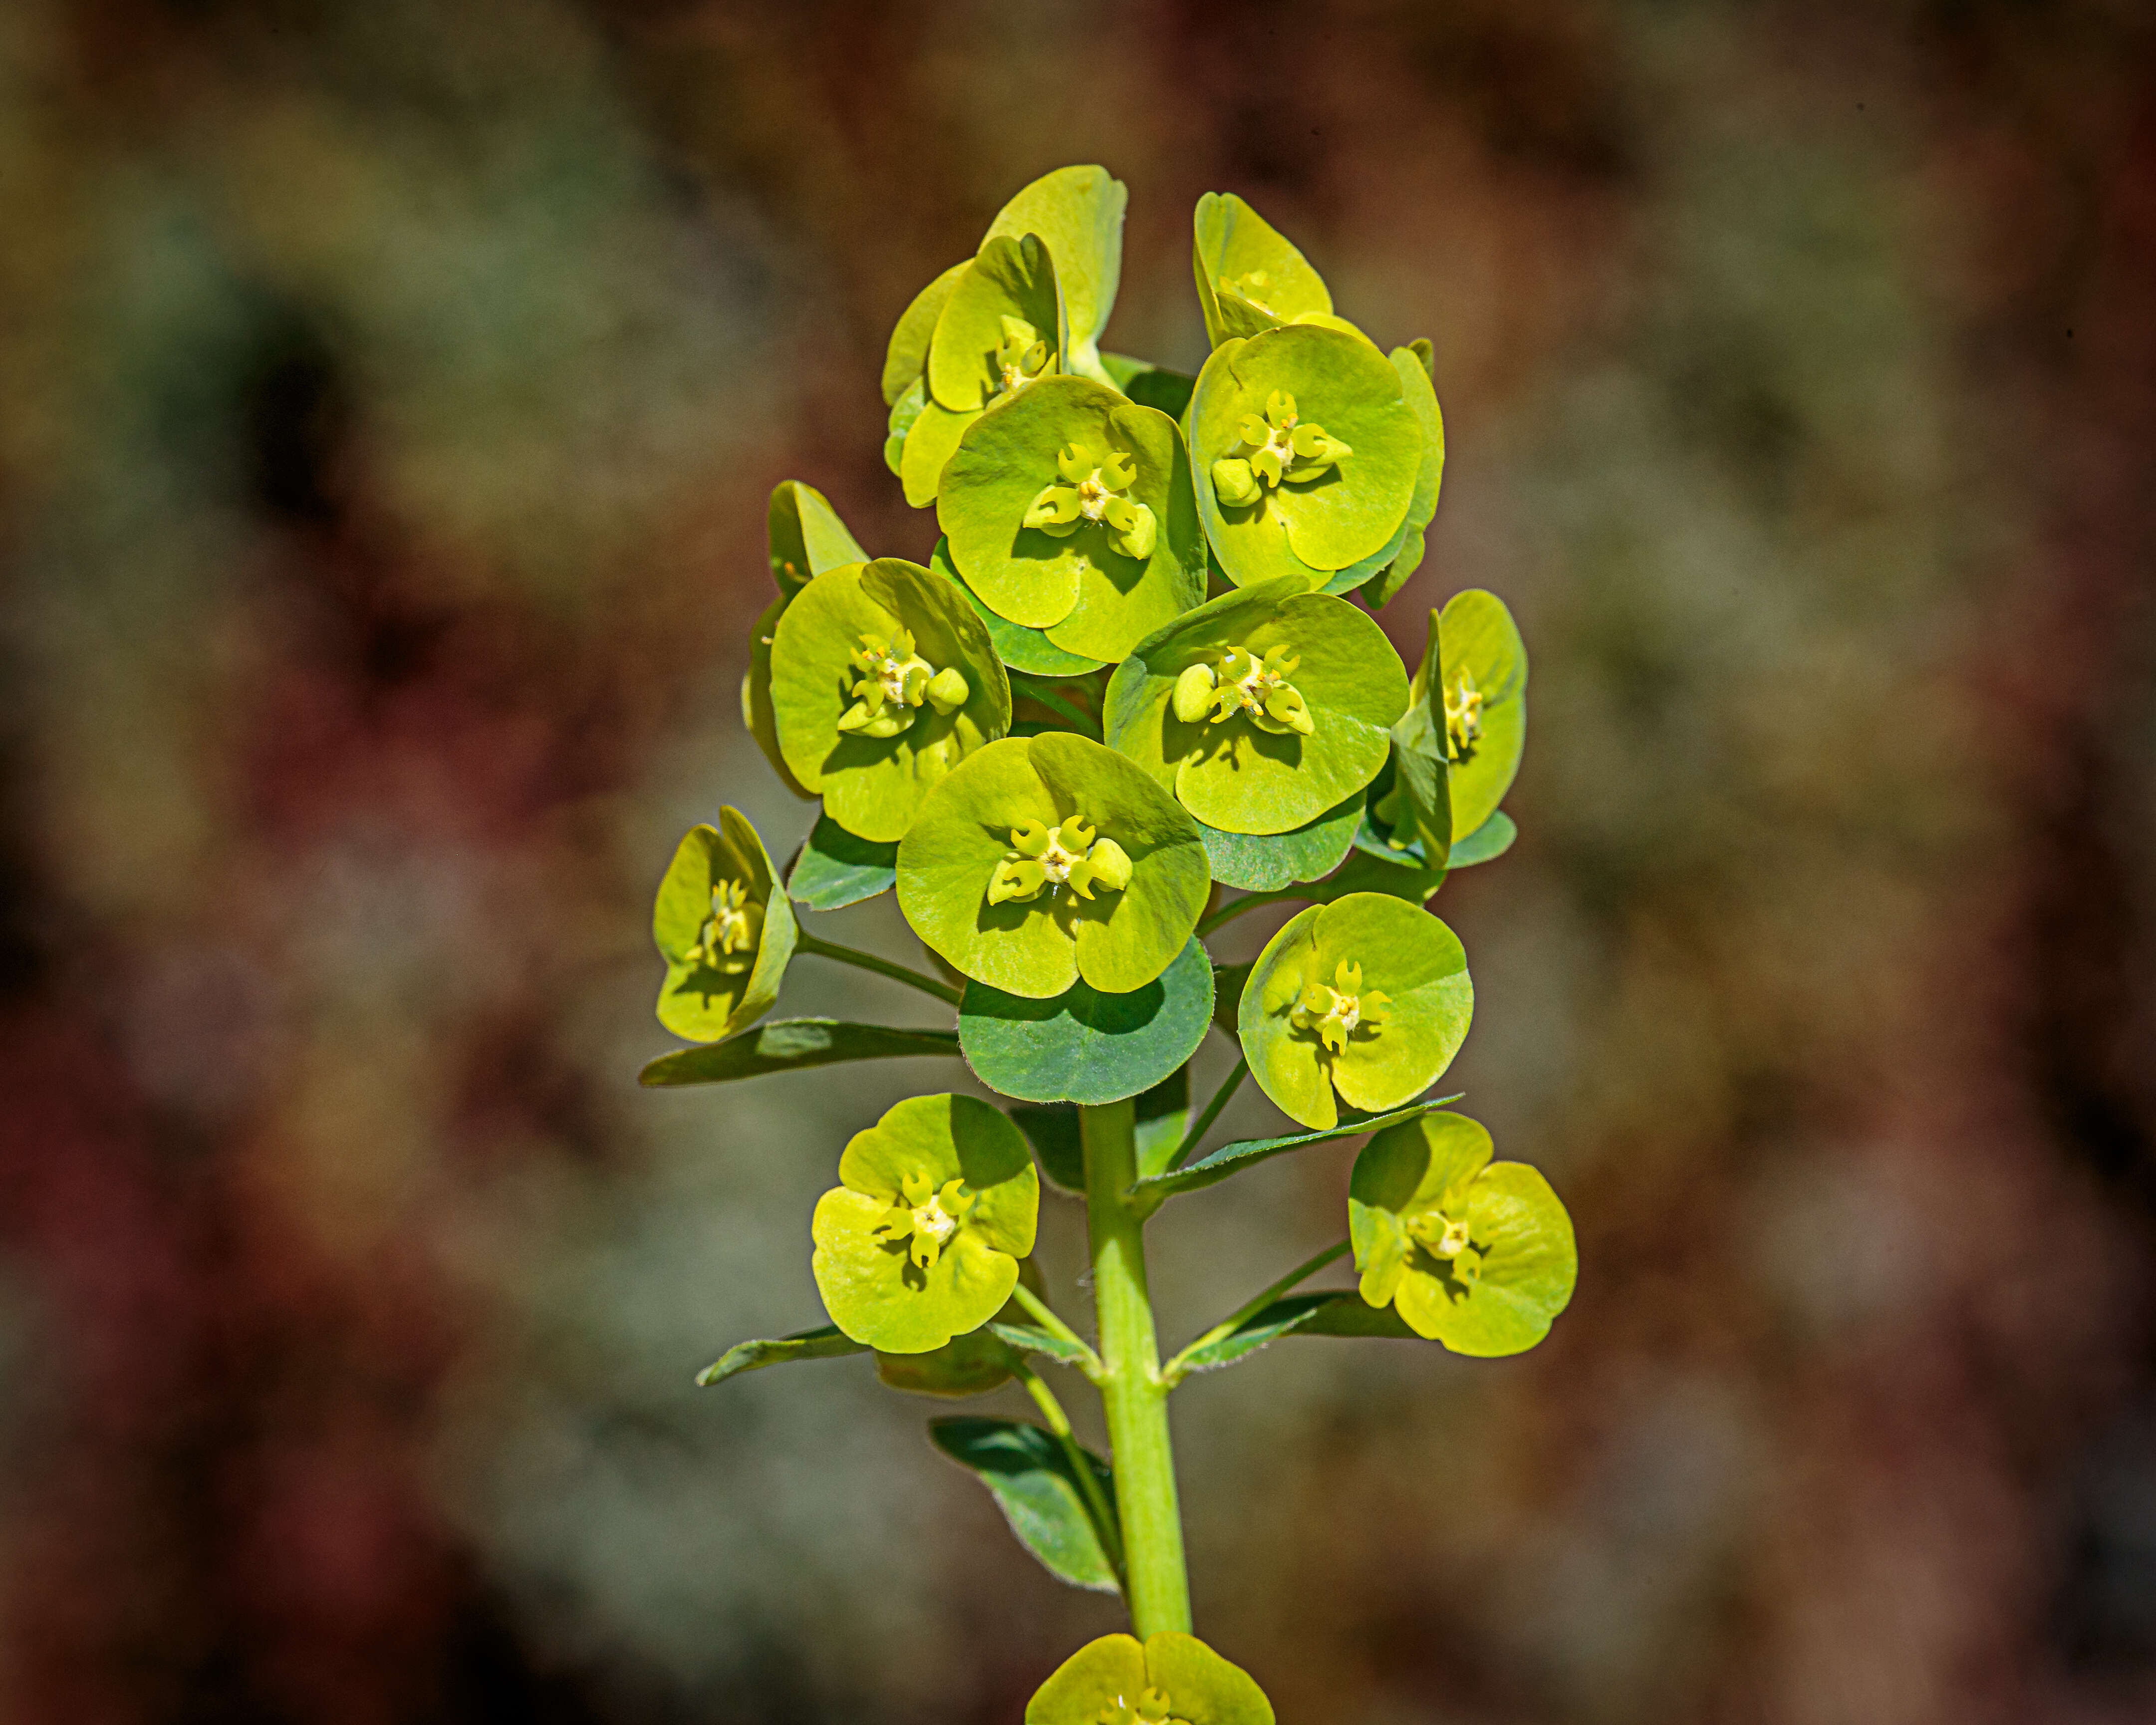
(1231, 772)
(1368, 997)
(970, 830)
(1121, 1681)
(724, 930)
(1475, 1254)
(1117, 472)
(872, 785)
(1346, 511)
(921, 1238)
(1249, 278)
(1483, 693)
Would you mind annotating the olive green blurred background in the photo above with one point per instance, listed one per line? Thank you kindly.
(389, 391)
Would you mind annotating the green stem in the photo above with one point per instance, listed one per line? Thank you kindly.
(1044, 1314)
(805, 941)
(1175, 1371)
(1196, 1135)
(1135, 1398)
(1081, 1464)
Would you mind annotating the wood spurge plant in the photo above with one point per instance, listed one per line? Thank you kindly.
(1057, 751)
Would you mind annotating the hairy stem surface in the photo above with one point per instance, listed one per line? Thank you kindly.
(1135, 1399)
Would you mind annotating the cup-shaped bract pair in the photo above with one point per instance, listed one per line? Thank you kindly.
(1368, 997)
(805, 537)
(1305, 452)
(920, 1240)
(1481, 695)
(1168, 1679)
(1249, 278)
(1261, 709)
(1072, 510)
(1413, 362)
(724, 929)
(882, 679)
(1475, 1254)
(1030, 303)
(1043, 860)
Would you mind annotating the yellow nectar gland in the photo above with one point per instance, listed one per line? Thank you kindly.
(1281, 446)
(1152, 1708)
(1092, 489)
(1048, 859)
(1448, 1238)
(1463, 714)
(1337, 1013)
(925, 1218)
(1022, 359)
(1245, 684)
(890, 682)
(727, 939)
(1252, 287)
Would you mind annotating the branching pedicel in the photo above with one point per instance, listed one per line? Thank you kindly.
(1057, 749)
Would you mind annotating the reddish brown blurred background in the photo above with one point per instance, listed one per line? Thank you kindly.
(391, 390)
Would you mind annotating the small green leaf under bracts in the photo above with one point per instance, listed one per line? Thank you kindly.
(1255, 863)
(1030, 1477)
(835, 869)
(824, 1343)
(1485, 843)
(1031, 1338)
(1149, 385)
(1339, 1313)
(1247, 1152)
(1083, 1045)
(792, 1045)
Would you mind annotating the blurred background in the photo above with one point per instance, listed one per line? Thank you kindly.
(389, 392)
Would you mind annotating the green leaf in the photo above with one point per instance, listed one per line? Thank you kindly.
(1079, 212)
(1229, 771)
(1085, 1046)
(873, 786)
(1249, 278)
(1118, 941)
(1149, 385)
(793, 1045)
(1030, 1338)
(1211, 1169)
(1106, 1680)
(887, 1277)
(1083, 589)
(1307, 530)
(726, 934)
(1256, 864)
(1339, 1313)
(1031, 1479)
(1476, 1254)
(835, 869)
(823, 1343)
(1361, 946)
(1161, 1113)
(806, 536)
(1022, 649)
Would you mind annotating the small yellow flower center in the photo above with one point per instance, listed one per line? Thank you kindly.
(889, 683)
(727, 939)
(1044, 858)
(1244, 683)
(1021, 359)
(1336, 1013)
(1090, 487)
(1463, 713)
(1277, 446)
(925, 1217)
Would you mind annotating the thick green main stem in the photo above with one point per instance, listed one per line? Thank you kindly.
(1157, 1586)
